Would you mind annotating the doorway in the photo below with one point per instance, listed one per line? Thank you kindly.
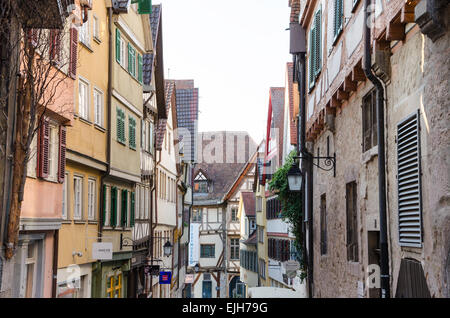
(206, 289)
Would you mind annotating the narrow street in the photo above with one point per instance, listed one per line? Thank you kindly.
(220, 150)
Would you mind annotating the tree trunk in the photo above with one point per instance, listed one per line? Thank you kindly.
(21, 153)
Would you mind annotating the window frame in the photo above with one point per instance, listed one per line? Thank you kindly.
(209, 248)
(83, 103)
(92, 199)
(99, 109)
(78, 212)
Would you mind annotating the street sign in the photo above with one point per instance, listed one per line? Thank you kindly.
(189, 279)
(102, 251)
(165, 277)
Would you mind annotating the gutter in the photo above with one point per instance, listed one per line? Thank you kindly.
(384, 253)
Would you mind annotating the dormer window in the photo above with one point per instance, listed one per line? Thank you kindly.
(200, 183)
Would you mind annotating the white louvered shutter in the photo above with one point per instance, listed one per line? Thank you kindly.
(409, 183)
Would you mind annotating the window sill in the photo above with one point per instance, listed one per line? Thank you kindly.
(369, 155)
(123, 143)
(338, 36)
(66, 221)
(92, 222)
(79, 221)
(98, 127)
(84, 120)
(87, 46)
(96, 39)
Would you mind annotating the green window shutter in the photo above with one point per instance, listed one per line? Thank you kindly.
(140, 68)
(104, 204)
(120, 125)
(124, 207)
(335, 16)
(130, 64)
(133, 58)
(144, 6)
(113, 206)
(318, 40)
(132, 132)
(118, 57)
(132, 207)
(312, 42)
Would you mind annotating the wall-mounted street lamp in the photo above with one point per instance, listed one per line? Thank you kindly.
(167, 249)
(196, 268)
(329, 162)
(295, 177)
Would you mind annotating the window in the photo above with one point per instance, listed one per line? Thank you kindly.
(106, 206)
(258, 204)
(234, 212)
(261, 234)
(124, 208)
(78, 198)
(200, 183)
(83, 99)
(369, 121)
(409, 182)
(96, 28)
(352, 223)
(85, 33)
(91, 199)
(323, 224)
(197, 215)
(120, 126)
(53, 153)
(248, 260)
(98, 107)
(315, 48)
(132, 132)
(113, 206)
(64, 200)
(207, 250)
(252, 225)
(150, 137)
(338, 15)
(262, 268)
(114, 286)
(273, 208)
(234, 248)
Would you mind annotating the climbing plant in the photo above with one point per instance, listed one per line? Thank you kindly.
(291, 204)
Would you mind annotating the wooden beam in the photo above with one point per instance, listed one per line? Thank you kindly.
(358, 74)
(395, 32)
(335, 102)
(349, 85)
(196, 279)
(407, 15)
(341, 95)
(330, 110)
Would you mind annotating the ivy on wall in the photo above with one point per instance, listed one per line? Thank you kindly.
(291, 203)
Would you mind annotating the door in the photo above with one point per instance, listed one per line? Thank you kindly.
(207, 289)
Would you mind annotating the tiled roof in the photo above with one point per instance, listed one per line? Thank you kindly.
(155, 20)
(187, 114)
(277, 98)
(147, 65)
(230, 161)
(249, 199)
(290, 82)
(251, 240)
(161, 129)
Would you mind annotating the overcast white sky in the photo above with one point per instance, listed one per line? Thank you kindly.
(234, 50)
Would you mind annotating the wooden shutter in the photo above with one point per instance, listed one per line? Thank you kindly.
(73, 52)
(132, 132)
(318, 43)
(120, 125)
(124, 207)
(145, 6)
(132, 207)
(113, 216)
(130, 62)
(118, 57)
(44, 138)
(409, 182)
(62, 154)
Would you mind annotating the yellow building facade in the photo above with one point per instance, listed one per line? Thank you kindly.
(86, 158)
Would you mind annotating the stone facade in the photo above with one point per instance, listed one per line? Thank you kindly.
(416, 82)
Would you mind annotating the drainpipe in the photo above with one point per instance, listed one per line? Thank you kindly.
(55, 262)
(308, 259)
(384, 253)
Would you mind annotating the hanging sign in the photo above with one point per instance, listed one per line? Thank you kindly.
(165, 277)
(102, 251)
(194, 246)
